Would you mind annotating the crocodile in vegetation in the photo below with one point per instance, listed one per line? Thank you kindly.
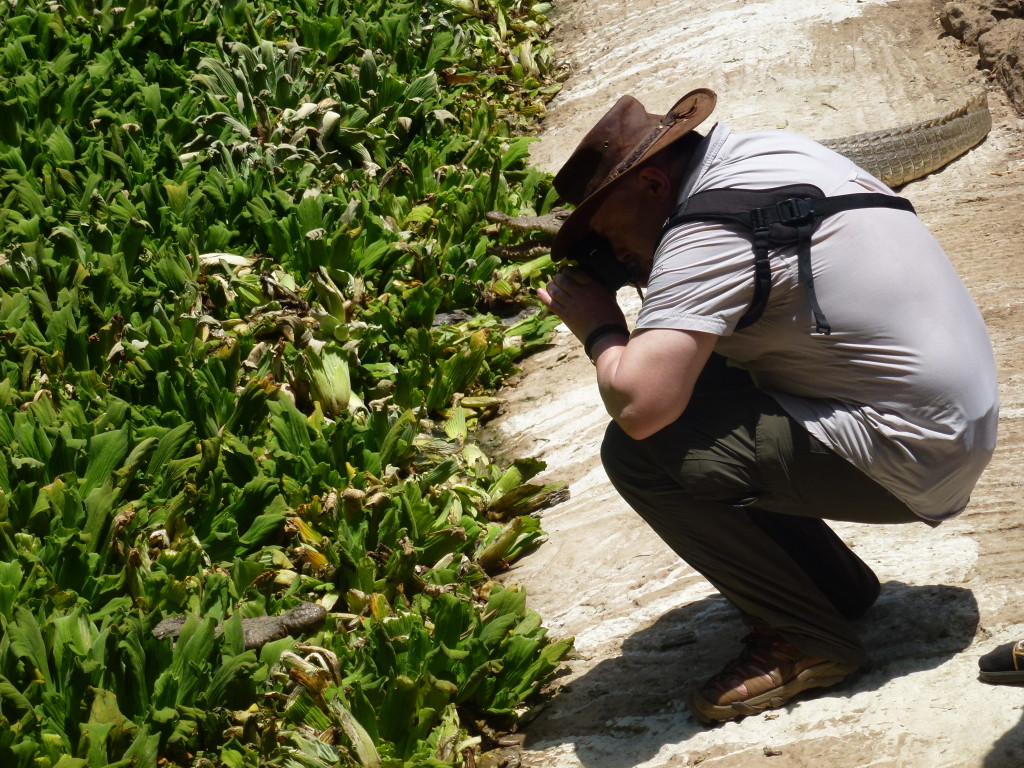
(259, 630)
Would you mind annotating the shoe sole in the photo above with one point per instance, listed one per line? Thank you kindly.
(819, 676)
(1004, 678)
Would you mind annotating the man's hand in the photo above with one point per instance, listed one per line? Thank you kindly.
(581, 302)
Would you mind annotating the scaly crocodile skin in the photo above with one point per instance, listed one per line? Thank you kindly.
(899, 155)
(259, 630)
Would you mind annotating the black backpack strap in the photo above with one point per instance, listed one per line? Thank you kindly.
(774, 218)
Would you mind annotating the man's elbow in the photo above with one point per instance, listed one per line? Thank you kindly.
(641, 412)
(640, 425)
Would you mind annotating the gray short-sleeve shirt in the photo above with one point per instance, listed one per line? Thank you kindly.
(905, 386)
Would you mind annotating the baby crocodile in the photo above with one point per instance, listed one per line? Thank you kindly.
(549, 223)
(259, 630)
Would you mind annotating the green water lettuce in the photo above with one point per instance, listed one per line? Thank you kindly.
(250, 316)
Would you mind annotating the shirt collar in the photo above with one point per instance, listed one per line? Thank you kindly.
(703, 156)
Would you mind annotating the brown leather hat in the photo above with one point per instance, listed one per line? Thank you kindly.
(626, 137)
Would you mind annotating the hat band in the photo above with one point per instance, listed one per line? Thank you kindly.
(638, 152)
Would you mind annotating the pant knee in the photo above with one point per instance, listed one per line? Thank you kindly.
(680, 464)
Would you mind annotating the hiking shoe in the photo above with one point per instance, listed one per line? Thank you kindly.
(768, 673)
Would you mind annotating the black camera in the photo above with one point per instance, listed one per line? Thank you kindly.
(593, 254)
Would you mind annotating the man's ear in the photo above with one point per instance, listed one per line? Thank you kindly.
(655, 181)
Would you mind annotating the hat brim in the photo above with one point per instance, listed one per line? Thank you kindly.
(687, 113)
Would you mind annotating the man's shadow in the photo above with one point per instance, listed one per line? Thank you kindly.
(1008, 752)
(640, 695)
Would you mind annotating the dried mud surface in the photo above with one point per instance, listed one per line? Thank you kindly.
(828, 68)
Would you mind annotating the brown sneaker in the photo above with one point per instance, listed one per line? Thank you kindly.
(768, 673)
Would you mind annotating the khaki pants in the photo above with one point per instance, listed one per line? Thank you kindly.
(738, 489)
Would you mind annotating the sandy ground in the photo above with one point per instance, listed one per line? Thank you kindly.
(826, 68)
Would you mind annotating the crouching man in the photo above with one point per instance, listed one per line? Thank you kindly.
(805, 352)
